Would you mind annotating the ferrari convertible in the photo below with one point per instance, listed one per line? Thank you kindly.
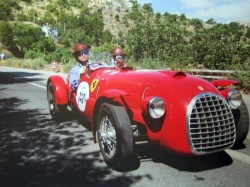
(169, 109)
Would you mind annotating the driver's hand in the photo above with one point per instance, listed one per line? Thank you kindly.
(82, 71)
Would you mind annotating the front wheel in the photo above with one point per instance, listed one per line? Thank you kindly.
(241, 118)
(115, 136)
(57, 111)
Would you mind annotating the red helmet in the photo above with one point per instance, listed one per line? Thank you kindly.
(79, 47)
(119, 56)
(118, 51)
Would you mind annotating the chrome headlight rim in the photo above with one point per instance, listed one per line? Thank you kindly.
(156, 107)
(234, 98)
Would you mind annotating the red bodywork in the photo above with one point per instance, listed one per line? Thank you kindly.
(132, 88)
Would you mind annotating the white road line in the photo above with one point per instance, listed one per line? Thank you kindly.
(34, 84)
(21, 78)
(239, 156)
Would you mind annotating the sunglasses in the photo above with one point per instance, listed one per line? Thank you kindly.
(119, 57)
(82, 52)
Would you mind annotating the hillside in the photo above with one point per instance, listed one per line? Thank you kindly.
(36, 11)
(150, 39)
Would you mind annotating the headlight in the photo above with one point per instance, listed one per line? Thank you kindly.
(234, 99)
(156, 107)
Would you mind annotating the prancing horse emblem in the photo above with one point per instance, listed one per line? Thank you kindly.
(94, 84)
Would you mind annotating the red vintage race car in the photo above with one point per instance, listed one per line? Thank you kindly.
(170, 109)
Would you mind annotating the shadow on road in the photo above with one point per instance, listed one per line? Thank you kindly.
(34, 151)
(185, 163)
(19, 77)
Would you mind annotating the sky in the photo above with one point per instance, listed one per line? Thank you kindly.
(222, 11)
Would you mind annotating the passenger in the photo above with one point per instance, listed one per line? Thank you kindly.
(119, 57)
(81, 54)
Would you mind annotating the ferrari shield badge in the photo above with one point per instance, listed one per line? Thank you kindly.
(94, 84)
(82, 96)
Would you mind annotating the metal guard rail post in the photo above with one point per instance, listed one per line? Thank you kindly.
(211, 74)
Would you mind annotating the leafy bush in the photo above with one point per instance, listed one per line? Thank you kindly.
(6, 35)
(149, 63)
(33, 54)
(30, 38)
(6, 9)
(105, 47)
(37, 63)
(243, 75)
(61, 55)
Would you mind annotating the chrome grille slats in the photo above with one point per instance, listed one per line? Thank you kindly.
(210, 124)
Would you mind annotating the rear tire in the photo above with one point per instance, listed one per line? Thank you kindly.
(57, 112)
(241, 118)
(115, 136)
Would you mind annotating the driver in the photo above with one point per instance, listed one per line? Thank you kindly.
(118, 57)
(81, 54)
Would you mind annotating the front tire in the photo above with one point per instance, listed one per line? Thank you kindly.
(57, 112)
(115, 136)
(241, 118)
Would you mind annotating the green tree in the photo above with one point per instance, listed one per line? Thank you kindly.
(6, 35)
(30, 38)
(183, 19)
(215, 47)
(147, 8)
(6, 9)
(211, 21)
(45, 45)
(248, 32)
(157, 39)
(235, 29)
(197, 23)
(135, 13)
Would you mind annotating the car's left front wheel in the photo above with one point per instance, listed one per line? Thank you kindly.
(115, 136)
(57, 112)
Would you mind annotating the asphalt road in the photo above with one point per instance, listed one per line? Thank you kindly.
(36, 151)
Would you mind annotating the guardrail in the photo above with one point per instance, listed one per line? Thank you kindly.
(211, 74)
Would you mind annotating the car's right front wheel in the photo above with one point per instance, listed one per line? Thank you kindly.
(115, 136)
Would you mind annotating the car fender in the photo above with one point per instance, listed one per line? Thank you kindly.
(111, 95)
(224, 85)
(224, 82)
(61, 95)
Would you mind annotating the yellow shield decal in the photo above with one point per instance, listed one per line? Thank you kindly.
(94, 84)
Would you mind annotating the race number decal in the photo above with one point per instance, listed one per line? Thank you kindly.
(82, 95)
(94, 84)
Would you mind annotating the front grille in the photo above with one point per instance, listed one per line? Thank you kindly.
(211, 125)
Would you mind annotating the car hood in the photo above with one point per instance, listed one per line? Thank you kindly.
(163, 83)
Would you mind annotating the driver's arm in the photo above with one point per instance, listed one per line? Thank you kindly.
(74, 78)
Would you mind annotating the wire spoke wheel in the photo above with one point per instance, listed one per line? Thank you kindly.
(51, 100)
(57, 112)
(107, 137)
(115, 136)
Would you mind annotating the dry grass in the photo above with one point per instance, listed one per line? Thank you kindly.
(24, 63)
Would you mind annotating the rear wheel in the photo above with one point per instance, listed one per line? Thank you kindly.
(57, 111)
(115, 136)
(241, 118)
